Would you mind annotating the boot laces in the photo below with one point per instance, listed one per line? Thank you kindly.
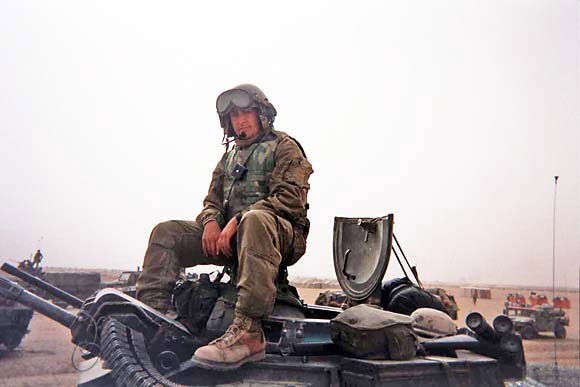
(231, 333)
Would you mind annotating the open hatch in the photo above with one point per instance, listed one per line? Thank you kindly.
(362, 249)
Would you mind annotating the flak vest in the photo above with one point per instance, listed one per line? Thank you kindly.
(254, 184)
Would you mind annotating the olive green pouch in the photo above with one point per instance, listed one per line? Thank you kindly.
(368, 332)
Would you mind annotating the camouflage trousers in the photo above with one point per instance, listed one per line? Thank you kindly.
(264, 241)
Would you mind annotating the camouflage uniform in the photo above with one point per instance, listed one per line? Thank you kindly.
(270, 200)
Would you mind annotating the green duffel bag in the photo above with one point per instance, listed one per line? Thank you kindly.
(369, 332)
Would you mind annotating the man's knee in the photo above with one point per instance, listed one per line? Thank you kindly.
(165, 233)
(256, 219)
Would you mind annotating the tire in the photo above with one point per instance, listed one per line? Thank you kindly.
(560, 331)
(528, 332)
(12, 339)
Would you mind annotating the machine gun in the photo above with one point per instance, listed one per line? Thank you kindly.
(135, 345)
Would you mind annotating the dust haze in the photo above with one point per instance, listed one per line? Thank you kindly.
(454, 116)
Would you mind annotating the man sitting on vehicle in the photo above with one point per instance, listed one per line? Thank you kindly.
(257, 198)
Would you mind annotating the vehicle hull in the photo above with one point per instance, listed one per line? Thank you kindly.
(468, 369)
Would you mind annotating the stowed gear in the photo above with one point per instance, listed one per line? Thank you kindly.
(428, 322)
(244, 97)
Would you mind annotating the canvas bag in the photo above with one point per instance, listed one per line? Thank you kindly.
(369, 332)
(194, 302)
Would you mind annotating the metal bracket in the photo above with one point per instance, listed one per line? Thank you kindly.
(292, 333)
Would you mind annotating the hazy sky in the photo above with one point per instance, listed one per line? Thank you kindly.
(453, 115)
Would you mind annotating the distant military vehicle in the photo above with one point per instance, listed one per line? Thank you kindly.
(36, 270)
(127, 282)
(14, 320)
(334, 298)
(538, 299)
(78, 283)
(126, 278)
(530, 322)
(30, 267)
(516, 299)
(561, 302)
(448, 301)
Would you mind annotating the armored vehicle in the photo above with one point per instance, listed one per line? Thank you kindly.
(127, 343)
(448, 301)
(126, 278)
(561, 302)
(538, 299)
(516, 299)
(14, 320)
(36, 270)
(126, 282)
(79, 284)
(335, 298)
(530, 322)
(30, 267)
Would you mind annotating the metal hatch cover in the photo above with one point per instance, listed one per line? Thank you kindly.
(362, 248)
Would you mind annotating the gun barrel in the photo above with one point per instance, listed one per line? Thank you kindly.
(476, 322)
(47, 287)
(13, 291)
(503, 325)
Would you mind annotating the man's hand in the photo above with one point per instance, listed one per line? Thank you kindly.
(223, 244)
(209, 239)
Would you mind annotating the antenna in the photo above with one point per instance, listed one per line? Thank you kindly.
(554, 271)
(554, 240)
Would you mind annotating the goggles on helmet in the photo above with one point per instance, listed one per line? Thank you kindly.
(234, 98)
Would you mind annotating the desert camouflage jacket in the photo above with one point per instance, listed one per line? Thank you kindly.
(276, 180)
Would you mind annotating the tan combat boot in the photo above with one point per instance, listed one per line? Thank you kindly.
(243, 342)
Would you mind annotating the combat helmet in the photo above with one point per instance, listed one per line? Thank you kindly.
(429, 322)
(244, 96)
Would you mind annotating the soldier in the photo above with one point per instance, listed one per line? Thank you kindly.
(37, 259)
(257, 200)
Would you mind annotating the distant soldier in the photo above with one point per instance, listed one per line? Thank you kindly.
(37, 259)
(474, 296)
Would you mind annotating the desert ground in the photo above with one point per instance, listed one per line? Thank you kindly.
(47, 358)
